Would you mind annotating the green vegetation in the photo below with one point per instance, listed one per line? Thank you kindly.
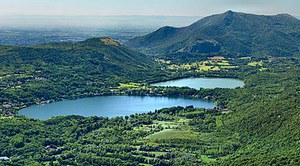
(206, 159)
(101, 141)
(200, 66)
(254, 125)
(130, 85)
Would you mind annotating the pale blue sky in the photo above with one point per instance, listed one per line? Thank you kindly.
(146, 7)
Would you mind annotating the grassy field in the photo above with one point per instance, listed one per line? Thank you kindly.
(219, 122)
(205, 68)
(130, 85)
(172, 134)
(223, 63)
(178, 133)
(262, 69)
(166, 124)
(6, 117)
(229, 67)
(202, 66)
(253, 64)
(177, 129)
(207, 159)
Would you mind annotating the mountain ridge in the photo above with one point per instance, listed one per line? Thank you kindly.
(230, 32)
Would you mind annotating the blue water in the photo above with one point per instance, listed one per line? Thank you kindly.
(109, 106)
(198, 83)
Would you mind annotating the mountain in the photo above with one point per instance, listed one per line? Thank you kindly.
(230, 32)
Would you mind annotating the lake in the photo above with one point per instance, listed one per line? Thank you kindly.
(197, 83)
(109, 106)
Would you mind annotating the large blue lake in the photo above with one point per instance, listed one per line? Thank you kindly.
(109, 106)
(198, 83)
(112, 106)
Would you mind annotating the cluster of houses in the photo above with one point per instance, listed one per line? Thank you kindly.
(7, 105)
(217, 59)
(273, 59)
(9, 109)
(5, 109)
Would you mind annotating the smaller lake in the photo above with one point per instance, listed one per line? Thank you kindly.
(198, 83)
(109, 106)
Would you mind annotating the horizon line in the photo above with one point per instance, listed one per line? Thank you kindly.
(119, 15)
(132, 15)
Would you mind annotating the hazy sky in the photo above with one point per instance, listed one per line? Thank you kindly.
(146, 7)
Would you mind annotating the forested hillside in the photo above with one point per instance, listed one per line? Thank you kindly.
(228, 33)
(267, 115)
(63, 70)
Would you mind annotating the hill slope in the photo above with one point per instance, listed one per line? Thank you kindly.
(104, 56)
(60, 69)
(230, 32)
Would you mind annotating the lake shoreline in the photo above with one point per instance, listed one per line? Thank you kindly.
(122, 92)
(110, 106)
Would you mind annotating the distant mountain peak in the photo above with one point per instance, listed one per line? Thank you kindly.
(229, 17)
(232, 32)
(234, 13)
(229, 12)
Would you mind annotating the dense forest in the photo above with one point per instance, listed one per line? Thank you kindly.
(254, 125)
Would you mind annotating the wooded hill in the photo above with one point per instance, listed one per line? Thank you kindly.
(230, 33)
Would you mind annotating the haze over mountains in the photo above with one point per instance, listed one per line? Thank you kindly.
(94, 22)
(31, 30)
(230, 32)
